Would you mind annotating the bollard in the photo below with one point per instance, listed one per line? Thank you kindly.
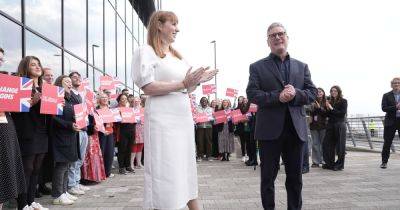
(367, 133)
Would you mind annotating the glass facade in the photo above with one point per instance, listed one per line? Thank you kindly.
(93, 37)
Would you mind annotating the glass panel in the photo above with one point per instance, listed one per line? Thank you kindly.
(135, 25)
(112, 2)
(10, 41)
(12, 8)
(44, 17)
(121, 8)
(110, 58)
(75, 27)
(121, 50)
(97, 75)
(96, 32)
(73, 64)
(140, 36)
(49, 55)
(129, 47)
(128, 18)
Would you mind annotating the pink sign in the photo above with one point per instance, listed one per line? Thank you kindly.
(81, 117)
(237, 116)
(220, 117)
(106, 115)
(52, 100)
(230, 92)
(99, 124)
(253, 108)
(209, 89)
(127, 114)
(106, 83)
(15, 93)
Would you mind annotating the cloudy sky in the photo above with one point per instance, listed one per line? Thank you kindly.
(354, 44)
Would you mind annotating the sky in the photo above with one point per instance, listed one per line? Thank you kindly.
(354, 44)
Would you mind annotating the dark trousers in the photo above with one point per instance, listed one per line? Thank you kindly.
(251, 148)
(306, 155)
(204, 141)
(107, 150)
(32, 164)
(388, 136)
(60, 179)
(291, 148)
(46, 171)
(335, 140)
(124, 148)
(244, 141)
(214, 147)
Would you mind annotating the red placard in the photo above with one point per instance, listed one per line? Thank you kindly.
(52, 100)
(142, 115)
(99, 124)
(90, 101)
(127, 114)
(237, 116)
(230, 92)
(81, 115)
(220, 117)
(15, 93)
(106, 83)
(209, 89)
(106, 115)
(117, 115)
(253, 108)
(201, 117)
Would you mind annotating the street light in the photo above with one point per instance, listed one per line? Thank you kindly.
(93, 46)
(69, 61)
(215, 66)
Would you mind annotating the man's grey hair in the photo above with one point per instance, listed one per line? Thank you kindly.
(276, 24)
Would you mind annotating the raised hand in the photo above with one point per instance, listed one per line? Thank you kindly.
(193, 78)
(208, 75)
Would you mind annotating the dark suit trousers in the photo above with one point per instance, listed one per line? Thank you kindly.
(251, 148)
(291, 147)
(388, 135)
(335, 140)
(244, 142)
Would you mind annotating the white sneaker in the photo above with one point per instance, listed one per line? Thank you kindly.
(37, 206)
(71, 197)
(76, 191)
(27, 208)
(111, 175)
(244, 159)
(84, 188)
(62, 200)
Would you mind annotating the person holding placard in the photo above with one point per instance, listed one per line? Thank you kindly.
(12, 181)
(125, 138)
(32, 131)
(215, 153)
(65, 145)
(160, 71)
(137, 147)
(107, 138)
(226, 142)
(204, 132)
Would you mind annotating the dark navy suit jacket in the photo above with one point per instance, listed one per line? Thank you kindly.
(265, 85)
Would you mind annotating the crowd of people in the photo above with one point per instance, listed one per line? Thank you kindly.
(38, 149)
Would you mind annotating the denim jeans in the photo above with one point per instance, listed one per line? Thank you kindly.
(74, 171)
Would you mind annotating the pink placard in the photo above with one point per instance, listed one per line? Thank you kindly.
(15, 93)
(230, 92)
(99, 124)
(52, 100)
(253, 108)
(106, 115)
(220, 117)
(81, 117)
(208, 89)
(237, 116)
(106, 83)
(127, 114)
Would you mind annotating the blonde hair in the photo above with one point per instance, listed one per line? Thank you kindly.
(153, 35)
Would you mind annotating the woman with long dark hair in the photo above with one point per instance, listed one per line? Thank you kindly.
(32, 131)
(226, 142)
(335, 137)
(318, 127)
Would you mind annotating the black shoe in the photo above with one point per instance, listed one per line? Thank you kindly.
(305, 170)
(314, 165)
(122, 171)
(325, 166)
(251, 163)
(130, 170)
(44, 189)
(337, 168)
(384, 165)
(38, 194)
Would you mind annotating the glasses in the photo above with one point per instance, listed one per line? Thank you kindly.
(395, 83)
(279, 34)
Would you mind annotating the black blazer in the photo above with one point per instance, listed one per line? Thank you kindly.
(339, 112)
(65, 142)
(263, 89)
(389, 106)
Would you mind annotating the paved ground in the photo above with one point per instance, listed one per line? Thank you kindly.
(222, 185)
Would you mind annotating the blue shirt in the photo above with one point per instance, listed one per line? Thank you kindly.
(283, 66)
(397, 98)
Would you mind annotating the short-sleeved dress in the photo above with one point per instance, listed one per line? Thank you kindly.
(170, 160)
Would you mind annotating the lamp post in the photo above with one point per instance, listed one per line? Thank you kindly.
(215, 66)
(69, 61)
(93, 46)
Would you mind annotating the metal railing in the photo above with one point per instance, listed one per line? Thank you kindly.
(367, 132)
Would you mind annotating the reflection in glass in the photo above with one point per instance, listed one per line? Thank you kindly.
(121, 50)
(129, 52)
(12, 8)
(75, 27)
(74, 64)
(45, 51)
(96, 32)
(10, 41)
(44, 17)
(110, 59)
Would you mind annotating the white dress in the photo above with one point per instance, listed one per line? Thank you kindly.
(170, 178)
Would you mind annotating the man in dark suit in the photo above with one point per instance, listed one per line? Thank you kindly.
(390, 105)
(280, 86)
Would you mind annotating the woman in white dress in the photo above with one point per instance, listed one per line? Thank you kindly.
(170, 159)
